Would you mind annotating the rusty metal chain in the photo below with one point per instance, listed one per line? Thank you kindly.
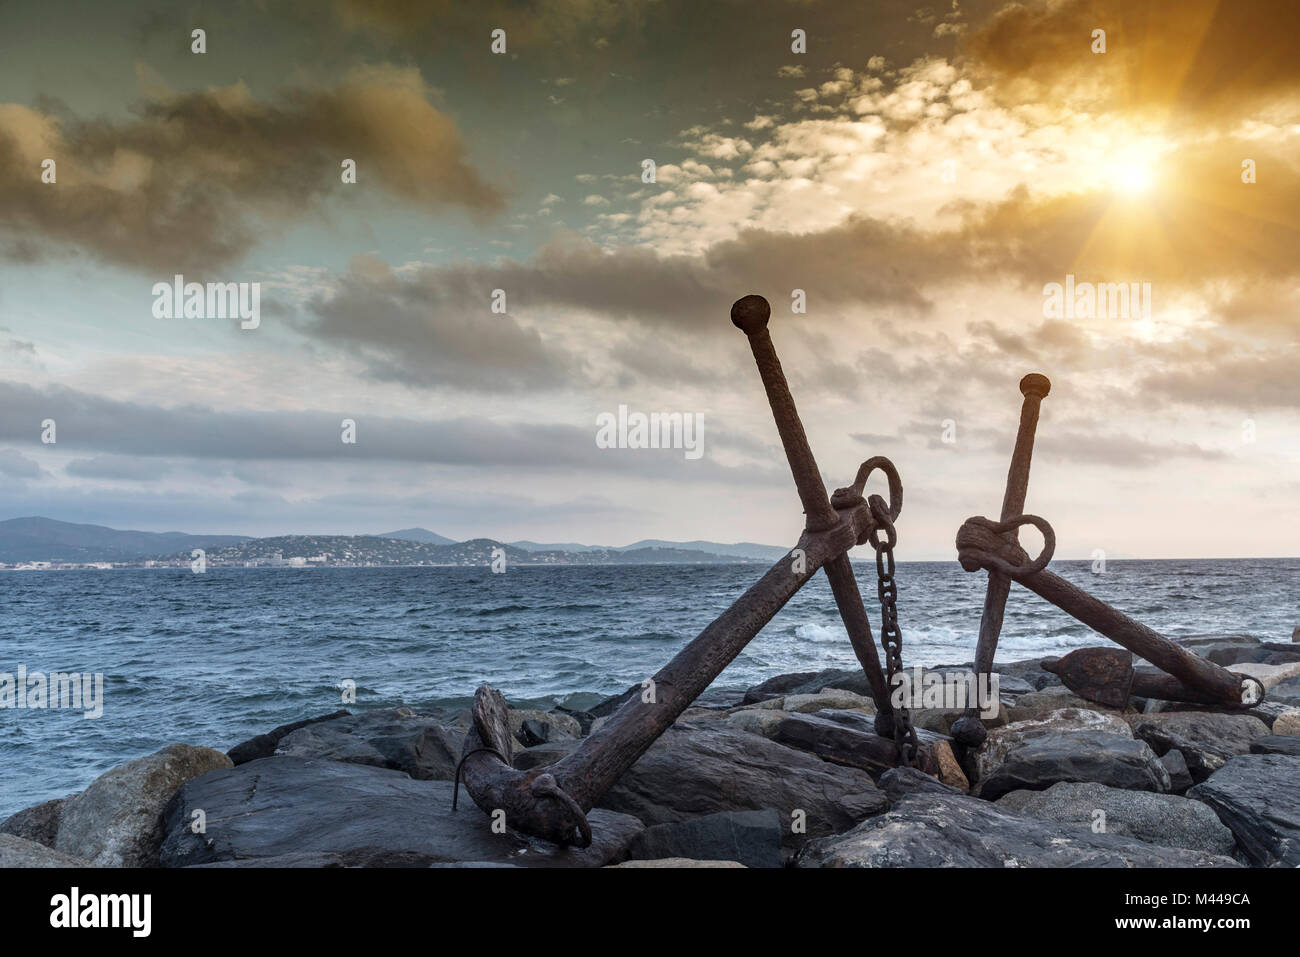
(891, 638)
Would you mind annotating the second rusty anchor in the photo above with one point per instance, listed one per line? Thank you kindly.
(1099, 674)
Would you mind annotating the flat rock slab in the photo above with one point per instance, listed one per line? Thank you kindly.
(1164, 819)
(20, 852)
(395, 738)
(944, 830)
(117, 821)
(751, 837)
(698, 768)
(1081, 756)
(1258, 797)
(1276, 744)
(1206, 739)
(286, 805)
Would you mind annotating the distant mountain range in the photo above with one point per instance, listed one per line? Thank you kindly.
(37, 539)
(34, 539)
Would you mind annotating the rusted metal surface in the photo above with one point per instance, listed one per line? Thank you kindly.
(1107, 676)
(552, 802)
(969, 729)
(989, 545)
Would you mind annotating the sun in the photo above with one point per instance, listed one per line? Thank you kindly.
(1133, 178)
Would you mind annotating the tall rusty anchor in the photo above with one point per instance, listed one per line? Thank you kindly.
(1105, 675)
(551, 802)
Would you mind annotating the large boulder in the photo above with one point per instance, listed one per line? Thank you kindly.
(1258, 797)
(395, 738)
(39, 823)
(361, 815)
(1206, 739)
(117, 821)
(1002, 741)
(947, 830)
(20, 852)
(751, 837)
(698, 768)
(1079, 756)
(1164, 819)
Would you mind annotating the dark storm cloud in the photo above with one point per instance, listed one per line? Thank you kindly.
(1205, 58)
(193, 180)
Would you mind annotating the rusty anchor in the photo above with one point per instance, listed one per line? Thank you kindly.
(1103, 675)
(551, 802)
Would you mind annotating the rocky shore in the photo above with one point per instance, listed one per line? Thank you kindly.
(787, 773)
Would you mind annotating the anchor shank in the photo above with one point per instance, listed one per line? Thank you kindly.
(750, 314)
(1034, 387)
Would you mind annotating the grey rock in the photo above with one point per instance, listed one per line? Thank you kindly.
(1222, 649)
(1286, 692)
(1002, 741)
(1180, 779)
(39, 823)
(542, 754)
(541, 727)
(116, 822)
(1082, 756)
(809, 682)
(1163, 819)
(287, 805)
(1258, 797)
(1206, 739)
(845, 737)
(946, 830)
(19, 852)
(897, 782)
(751, 837)
(264, 745)
(1276, 744)
(395, 738)
(698, 768)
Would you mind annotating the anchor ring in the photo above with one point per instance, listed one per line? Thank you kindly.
(852, 494)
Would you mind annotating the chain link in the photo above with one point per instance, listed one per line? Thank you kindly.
(891, 638)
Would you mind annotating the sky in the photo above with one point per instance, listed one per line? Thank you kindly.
(923, 175)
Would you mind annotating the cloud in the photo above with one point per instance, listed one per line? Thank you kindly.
(191, 182)
(16, 465)
(1194, 58)
(126, 429)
